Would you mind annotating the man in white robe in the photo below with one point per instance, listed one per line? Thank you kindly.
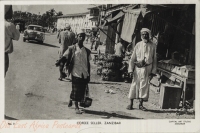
(142, 66)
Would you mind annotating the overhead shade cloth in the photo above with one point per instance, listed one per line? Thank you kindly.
(173, 6)
(95, 18)
(115, 18)
(129, 23)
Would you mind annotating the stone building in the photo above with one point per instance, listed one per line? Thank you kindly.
(77, 21)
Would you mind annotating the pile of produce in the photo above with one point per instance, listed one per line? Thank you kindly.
(108, 67)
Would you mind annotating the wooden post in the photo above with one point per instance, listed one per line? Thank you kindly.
(110, 43)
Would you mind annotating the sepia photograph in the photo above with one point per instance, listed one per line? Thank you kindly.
(95, 62)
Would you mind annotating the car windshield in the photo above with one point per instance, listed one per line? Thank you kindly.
(35, 28)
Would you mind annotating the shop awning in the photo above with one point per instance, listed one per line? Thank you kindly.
(119, 15)
(114, 19)
(95, 18)
(129, 23)
(131, 16)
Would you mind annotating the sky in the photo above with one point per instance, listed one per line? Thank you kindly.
(66, 9)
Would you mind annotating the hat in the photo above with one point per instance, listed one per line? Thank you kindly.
(80, 31)
(67, 26)
(8, 11)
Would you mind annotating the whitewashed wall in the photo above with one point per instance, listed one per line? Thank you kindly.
(76, 23)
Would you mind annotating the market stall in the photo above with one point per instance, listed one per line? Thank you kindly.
(172, 29)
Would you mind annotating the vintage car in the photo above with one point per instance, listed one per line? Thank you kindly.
(34, 32)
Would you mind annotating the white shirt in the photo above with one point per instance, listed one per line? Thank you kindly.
(80, 63)
(119, 49)
(17, 27)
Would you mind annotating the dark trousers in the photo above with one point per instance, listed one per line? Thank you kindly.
(93, 42)
(6, 63)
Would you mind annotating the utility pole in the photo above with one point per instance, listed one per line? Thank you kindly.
(20, 12)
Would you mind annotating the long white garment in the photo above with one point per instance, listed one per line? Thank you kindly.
(140, 83)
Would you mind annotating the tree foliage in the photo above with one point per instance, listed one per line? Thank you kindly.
(47, 19)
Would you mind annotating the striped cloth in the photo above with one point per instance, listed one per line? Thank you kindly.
(78, 89)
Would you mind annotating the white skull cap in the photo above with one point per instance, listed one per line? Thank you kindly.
(147, 30)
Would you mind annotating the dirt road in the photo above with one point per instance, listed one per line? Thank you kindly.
(33, 91)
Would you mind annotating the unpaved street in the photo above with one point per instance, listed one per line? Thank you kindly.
(33, 91)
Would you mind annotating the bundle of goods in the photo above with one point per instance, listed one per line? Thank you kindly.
(109, 74)
(108, 67)
(101, 57)
(100, 63)
(99, 67)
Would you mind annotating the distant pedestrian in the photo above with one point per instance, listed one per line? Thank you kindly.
(119, 48)
(18, 27)
(66, 38)
(87, 36)
(97, 42)
(142, 66)
(78, 60)
(58, 35)
(11, 33)
(92, 38)
(128, 51)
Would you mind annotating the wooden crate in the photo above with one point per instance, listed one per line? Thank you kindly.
(169, 96)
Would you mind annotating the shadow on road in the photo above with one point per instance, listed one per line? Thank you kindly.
(9, 118)
(104, 83)
(108, 115)
(178, 112)
(45, 44)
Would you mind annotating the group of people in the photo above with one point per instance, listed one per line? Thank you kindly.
(142, 66)
(75, 57)
(95, 40)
